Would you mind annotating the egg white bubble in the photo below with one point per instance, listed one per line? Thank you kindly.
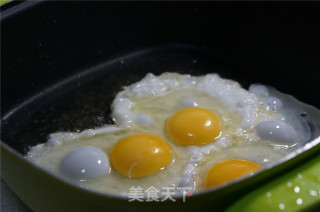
(121, 111)
(188, 176)
(85, 162)
(145, 107)
(189, 101)
(277, 131)
(273, 103)
(143, 119)
(259, 90)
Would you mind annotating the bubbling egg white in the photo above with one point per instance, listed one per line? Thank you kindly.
(257, 125)
(226, 91)
(85, 162)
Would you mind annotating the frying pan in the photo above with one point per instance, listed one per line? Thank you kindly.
(63, 63)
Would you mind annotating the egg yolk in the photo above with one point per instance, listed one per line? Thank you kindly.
(229, 170)
(140, 155)
(194, 126)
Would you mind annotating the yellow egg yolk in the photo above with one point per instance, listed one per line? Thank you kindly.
(140, 155)
(229, 170)
(194, 126)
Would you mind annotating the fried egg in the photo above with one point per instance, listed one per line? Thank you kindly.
(182, 130)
